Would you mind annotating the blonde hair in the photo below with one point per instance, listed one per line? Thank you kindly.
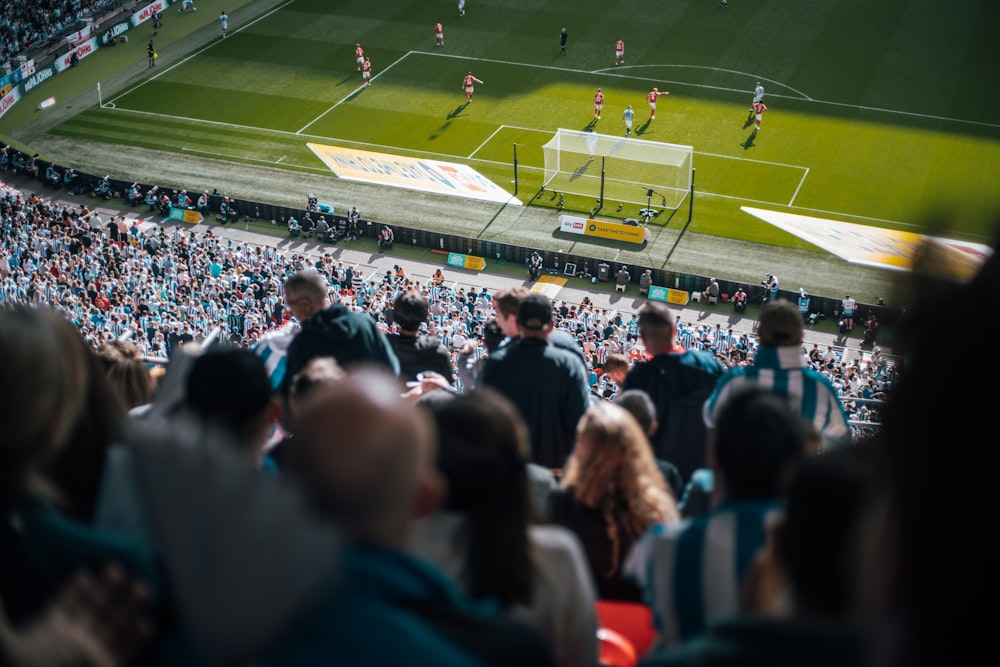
(612, 469)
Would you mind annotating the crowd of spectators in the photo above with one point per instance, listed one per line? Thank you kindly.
(807, 551)
(24, 23)
(161, 287)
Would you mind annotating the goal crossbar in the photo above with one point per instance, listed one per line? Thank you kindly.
(616, 168)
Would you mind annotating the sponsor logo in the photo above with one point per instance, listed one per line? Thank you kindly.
(577, 225)
(6, 102)
(39, 76)
(148, 11)
(115, 31)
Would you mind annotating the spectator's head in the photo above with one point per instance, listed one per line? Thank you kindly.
(228, 388)
(616, 367)
(506, 302)
(640, 405)
(534, 316)
(365, 457)
(758, 438)
(59, 412)
(317, 372)
(306, 294)
(493, 335)
(656, 327)
(612, 469)
(128, 373)
(780, 324)
(819, 540)
(45, 368)
(483, 448)
(409, 311)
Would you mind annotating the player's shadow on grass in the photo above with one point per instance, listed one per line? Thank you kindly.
(642, 128)
(749, 120)
(589, 126)
(440, 131)
(458, 110)
(354, 94)
(749, 142)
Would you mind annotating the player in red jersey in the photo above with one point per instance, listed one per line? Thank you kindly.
(598, 104)
(366, 72)
(651, 98)
(439, 33)
(468, 84)
(619, 52)
(758, 110)
(359, 56)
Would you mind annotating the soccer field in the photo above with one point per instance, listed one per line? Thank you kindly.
(877, 114)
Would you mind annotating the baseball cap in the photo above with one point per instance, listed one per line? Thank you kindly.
(534, 312)
(780, 323)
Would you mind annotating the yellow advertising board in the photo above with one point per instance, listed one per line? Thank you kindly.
(615, 231)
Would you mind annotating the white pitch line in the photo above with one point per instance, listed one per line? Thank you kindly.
(712, 69)
(708, 87)
(316, 136)
(750, 159)
(198, 52)
(488, 139)
(791, 202)
(230, 156)
(352, 93)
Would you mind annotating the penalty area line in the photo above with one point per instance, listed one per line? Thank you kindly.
(352, 93)
(791, 202)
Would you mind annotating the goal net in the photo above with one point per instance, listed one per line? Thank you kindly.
(575, 161)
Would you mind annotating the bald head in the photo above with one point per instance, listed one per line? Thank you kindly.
(365, 457)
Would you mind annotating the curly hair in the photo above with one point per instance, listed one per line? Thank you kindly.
(612, 469)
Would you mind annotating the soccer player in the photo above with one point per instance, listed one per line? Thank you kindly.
(627, 118)
(366, 72)
(151, 54)
(758, 95)
(468, 83)
(758, 110)
(224, 22)
(563, 38)
(439, 33)
(651, 98)
(359, 56)
(461, 7)
(619, 52)
(598, 104)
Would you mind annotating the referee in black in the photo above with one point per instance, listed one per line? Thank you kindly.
(563, 38)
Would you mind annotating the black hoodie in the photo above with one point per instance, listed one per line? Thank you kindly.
(346, 336)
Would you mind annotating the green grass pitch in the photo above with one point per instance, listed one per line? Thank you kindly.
(878, 112)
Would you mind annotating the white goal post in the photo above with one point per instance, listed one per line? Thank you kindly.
(618, 169)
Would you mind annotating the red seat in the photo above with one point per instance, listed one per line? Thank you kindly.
(632, 620)
(615, 650)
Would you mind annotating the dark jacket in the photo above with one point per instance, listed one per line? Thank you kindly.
(421, 353)
(346, 336)
(393, 609)
(549, 387)
(745, 641)
(679, 384)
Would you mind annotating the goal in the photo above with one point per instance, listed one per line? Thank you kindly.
(617, 169)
